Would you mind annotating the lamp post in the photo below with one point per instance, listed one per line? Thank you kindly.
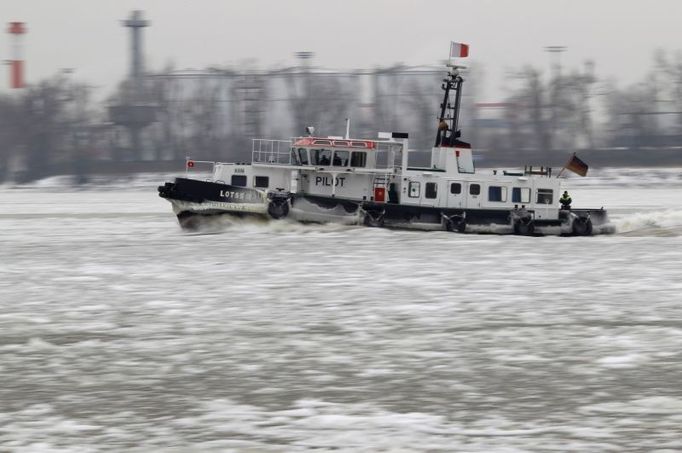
(555, 54)
(305, 57)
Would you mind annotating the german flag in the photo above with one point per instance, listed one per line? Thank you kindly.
(577, 166)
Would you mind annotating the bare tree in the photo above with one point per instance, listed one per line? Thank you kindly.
(10, 134)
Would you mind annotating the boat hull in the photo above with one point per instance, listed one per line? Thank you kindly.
(198, 203)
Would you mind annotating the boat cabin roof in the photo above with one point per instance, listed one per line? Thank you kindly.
(334, 143)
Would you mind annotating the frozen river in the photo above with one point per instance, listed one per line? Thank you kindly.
(118, 332)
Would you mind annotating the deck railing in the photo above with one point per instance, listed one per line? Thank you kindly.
(193, 165)
(275, 152)
(388, 155)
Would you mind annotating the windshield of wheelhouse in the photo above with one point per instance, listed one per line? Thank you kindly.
(322, 157)
(358, 159)
(303, 156)
(341, 158)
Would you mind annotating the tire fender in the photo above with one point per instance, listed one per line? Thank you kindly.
(278, 208)
(373, 219)
(524, 227)
(582, 226)
(456, 223)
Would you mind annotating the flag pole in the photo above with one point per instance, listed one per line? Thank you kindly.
(564, 167)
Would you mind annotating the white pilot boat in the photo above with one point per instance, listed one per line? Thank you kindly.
(369, 182)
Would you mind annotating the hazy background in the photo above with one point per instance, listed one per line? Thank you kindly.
(620, 35)
(217, 74)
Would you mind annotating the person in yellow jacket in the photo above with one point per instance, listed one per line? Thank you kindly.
(565, 201)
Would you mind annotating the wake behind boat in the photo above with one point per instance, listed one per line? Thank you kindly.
(369, 182)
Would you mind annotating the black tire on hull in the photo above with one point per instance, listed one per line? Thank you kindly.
(582, 226)
(373, 219)
(278, 208)
(524, 227)
(456, 223)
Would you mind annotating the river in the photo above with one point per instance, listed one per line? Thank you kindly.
(119, 332)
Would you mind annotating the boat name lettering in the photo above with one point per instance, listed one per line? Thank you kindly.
(248, 196)
(239, 170)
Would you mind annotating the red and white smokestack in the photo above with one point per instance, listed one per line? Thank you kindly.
(16, 63)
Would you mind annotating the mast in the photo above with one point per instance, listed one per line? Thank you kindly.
(448, 121)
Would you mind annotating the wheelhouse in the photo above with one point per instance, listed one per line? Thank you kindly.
(321, 152)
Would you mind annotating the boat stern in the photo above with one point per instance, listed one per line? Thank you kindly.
(586, 222)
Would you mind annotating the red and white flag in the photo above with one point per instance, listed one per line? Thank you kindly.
(457, 49)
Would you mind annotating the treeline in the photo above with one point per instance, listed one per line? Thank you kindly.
(544, 117)
(46, 124)
(61, 126)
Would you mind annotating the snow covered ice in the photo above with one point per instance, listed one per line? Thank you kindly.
(118, 332)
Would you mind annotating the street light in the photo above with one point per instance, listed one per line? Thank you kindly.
(554, 96)
(304, 56)
(556, 51)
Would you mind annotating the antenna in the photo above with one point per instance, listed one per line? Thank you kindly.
(347, 128)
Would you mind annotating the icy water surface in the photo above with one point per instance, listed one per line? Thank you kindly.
(118, 332)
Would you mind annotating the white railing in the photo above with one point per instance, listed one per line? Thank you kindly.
(388, 155)
(275, 152)
(191, 164)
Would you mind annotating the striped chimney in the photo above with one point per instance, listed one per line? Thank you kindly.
(16, 63)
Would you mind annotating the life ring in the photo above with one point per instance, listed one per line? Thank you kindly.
(374, 219)
(524, 227)
(456, 223)
(278, 208)
(582, 226)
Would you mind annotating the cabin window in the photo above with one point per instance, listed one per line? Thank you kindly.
(238, 180)
(415, 189)
(341, 158)
(431, 190)
(294, 157)
(261, 181)
(358, 159)
(545, 196)
(497, 193)
(303, 156)
(455, 188)
(321, 157)
(521, 195)
(474, 189)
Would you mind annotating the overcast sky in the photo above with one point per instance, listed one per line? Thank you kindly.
(619, 35)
